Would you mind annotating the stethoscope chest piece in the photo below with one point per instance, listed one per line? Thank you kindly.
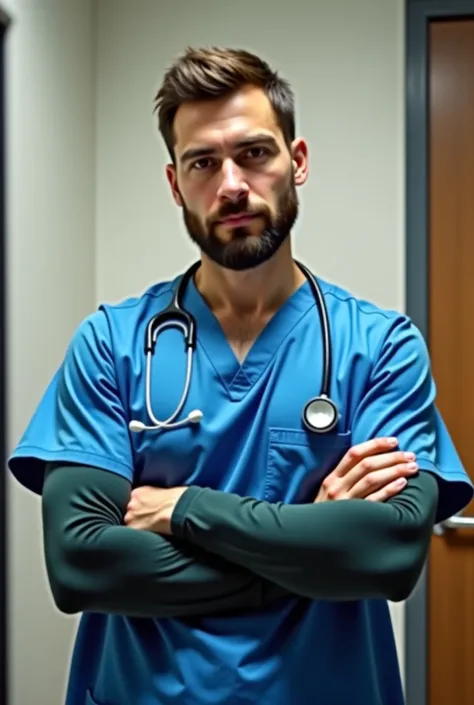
(320, 414)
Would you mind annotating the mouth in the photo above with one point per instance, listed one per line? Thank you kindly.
(237, 221)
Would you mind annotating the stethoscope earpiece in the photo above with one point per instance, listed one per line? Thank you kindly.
(136, 426)
(320, 414)
(195, 417)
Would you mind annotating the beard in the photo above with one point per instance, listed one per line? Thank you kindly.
(247, 248)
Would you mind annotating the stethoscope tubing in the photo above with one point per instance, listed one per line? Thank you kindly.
(174, 315)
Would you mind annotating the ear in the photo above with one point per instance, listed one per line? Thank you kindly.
(299, 157)
(173, 182)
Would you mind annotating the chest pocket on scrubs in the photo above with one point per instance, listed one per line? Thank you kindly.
(298, 461)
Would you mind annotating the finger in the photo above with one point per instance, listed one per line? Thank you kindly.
(377, 462)
(131, 521)
(358, 452)
(390, 490)
(379, 479)
(140, 491)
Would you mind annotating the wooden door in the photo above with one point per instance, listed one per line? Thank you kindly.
(451, 340)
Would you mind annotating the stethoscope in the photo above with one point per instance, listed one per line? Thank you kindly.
(320, 414)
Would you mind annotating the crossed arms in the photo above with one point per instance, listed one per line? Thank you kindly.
(362, 537)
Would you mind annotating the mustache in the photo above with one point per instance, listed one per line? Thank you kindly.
(237, 208)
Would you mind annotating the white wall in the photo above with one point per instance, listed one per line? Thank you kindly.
(345, 60)
(51, 286)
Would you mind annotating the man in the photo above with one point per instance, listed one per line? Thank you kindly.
(215, 562)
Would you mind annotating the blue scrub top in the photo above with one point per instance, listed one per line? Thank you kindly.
(252, 442)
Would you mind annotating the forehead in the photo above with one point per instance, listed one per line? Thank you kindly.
(224, 119)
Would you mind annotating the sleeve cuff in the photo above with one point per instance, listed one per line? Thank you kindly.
(180, 511)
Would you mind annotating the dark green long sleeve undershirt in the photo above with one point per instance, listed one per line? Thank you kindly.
(228, 552)
(96, 564)
(339, 550)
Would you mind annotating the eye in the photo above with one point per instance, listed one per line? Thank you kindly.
(256, 153)
(202, 164)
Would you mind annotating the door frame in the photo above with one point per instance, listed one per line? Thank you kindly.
(418, 14)
(4, 25)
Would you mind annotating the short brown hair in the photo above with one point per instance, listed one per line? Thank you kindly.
(206, 74)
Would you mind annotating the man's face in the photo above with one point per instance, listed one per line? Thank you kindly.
(235, 178)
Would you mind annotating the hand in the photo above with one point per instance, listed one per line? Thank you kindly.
(151, 508)
(371, 470)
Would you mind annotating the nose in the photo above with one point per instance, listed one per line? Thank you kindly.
(233, 186)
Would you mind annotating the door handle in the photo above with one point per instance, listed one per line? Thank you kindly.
(455, 522)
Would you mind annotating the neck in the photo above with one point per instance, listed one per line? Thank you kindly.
(254, 292)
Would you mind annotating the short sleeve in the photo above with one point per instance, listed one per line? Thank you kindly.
(400, 401)
(80, 418)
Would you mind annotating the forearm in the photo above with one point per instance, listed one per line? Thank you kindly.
(341, 550)
(96, 564)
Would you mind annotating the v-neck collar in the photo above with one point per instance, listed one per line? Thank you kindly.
(238, 378)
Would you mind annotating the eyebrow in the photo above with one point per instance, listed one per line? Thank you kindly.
(202, 152)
